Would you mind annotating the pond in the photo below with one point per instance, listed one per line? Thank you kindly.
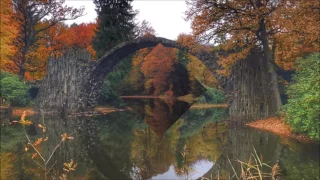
(149, 141)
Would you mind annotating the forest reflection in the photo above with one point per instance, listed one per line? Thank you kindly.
(125, 145)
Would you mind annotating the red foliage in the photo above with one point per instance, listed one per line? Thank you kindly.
(157, 66)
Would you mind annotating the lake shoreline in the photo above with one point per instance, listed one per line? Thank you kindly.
(196, 106)
(273, 124)
(279, 127)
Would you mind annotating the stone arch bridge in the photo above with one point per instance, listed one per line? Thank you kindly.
(73, 82)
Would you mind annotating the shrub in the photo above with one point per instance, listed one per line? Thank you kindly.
(13, 90)
(4, 74)
(303, 107)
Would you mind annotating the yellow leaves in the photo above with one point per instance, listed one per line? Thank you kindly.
(42, 127)
(63, 177)
(24, 122)
(37, 142)
(139, 56)
(71, 166)
(26, 149)
(65, 136)
(34, 155)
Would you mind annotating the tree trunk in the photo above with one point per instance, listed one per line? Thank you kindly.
(262, 35)
(22, 73)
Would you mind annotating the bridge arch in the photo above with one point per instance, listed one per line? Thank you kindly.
(73, 82)
(106, 63)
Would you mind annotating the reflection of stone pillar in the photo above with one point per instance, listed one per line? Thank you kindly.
(5, 114)
(55, 126)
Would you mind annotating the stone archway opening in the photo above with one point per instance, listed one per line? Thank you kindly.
(73, 82)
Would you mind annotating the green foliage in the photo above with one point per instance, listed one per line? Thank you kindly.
(195, 119)
(4, 74)
(183, 58)
(114, 79)
(115, 24)
(303, 107)
(212, 95)
(11, 137)
(304, 167)
(13, 90)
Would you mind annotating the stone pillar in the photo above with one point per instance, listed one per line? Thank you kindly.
(62, 88)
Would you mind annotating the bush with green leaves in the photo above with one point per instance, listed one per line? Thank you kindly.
(4, 74)
(13, 90)
(303, 107)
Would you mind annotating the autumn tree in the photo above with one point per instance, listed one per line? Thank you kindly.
(8, 30)
(82, 36)
(48, 41)
(115, 24)
(54, 41)
(278, 27)
(157, 66)
(189, 41)
(29, 14)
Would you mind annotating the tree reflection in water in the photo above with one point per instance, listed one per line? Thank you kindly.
(122, 145)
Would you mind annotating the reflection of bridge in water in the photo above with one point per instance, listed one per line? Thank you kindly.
(120, 145)
(112, 147)
(73, 82)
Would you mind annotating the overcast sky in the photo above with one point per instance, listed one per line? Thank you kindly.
(166, 16)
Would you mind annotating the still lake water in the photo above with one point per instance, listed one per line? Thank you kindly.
(150, 142)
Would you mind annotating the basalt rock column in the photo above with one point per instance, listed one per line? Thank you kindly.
(66, 77)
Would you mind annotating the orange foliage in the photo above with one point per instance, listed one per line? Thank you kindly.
(157, 67)
(289, 28)
(23, 120)
(81, 36)
(189, 41)
(9, 29)
(279, 127)
(139, 56)
(55, 40)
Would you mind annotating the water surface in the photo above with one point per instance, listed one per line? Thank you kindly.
(150, 142)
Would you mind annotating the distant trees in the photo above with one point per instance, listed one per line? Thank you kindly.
(144, 29)
(157, 66)
(115, 24)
